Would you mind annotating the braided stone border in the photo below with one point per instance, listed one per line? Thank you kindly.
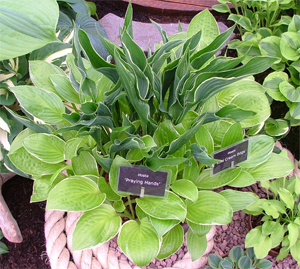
(59, 227)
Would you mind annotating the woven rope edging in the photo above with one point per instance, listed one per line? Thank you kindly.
(59, 227)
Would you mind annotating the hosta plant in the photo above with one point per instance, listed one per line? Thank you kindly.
(283, 85)
(238, 259)
(252, 15)
(280, 219)
(37, 31)
(166, 112)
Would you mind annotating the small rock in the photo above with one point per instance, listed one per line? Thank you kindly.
(224, 227)
(174, 257)
(169, 263)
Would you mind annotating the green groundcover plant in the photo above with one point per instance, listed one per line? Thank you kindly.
(36, 31)
(271, 28)
(166, 112)
(280, 221)
(3, 247)
(238, 259)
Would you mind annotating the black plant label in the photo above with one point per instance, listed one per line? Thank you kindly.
(142, 181)
(230, 156)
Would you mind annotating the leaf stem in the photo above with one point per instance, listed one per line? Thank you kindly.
(130, 205)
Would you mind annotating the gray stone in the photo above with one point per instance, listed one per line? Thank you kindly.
(143, 33)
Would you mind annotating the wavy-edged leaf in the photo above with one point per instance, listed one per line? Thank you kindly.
(95, 227)
(76, 193)
(139, 241)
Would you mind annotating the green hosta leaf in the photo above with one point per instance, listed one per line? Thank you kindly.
(245, 262)
(262, 249)
(264, 264)
(271, 46)
(276, 127)
(72, 146)
(242, 21)
(171, 242)
(243, 179)
(44, 105)
(222, 8)
(139, 241)
(210, 208)
(295, 110)
(254, 237)
(31, 165)
(84, 164)
(204, 138)
(237, 199)
(234, 113)
(47, 148)
(236, 253)
(165, 134)
(206, 181)
(293, 233)
(196, 244)
(192, 170)
(201, 155)
(277, 236)
(272, 82)
(270, 208)
(290, 45)
(199, 229)
(214, 260)
(162, 226)
(96, 227)
(163, 208)
(75, 193)
(65, 89)
(24, 32)
(206, 22)
(41, 72)
(106, 188)
(260, 149)
(283, 252)
(287, 198)
(186, 189)
(275, 167)
(295, 251)
(254, 101)
(3, 248)
(233, 135)
(114, 171)
(289, 91)
(241, 92)
(43, 185)
(269, 227)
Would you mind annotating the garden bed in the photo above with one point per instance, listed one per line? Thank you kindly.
(30, 217)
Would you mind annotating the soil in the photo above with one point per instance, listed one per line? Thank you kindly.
(31, 253)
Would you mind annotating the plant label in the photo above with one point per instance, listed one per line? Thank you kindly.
(143, 181)
(230, 156)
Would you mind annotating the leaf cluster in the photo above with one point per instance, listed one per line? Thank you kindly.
(267, 28)
(251, 16)
(3, 247)
(238, 259)
(281, 219)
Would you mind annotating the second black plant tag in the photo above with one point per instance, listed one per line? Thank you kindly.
(143, 181)
(230, 156)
